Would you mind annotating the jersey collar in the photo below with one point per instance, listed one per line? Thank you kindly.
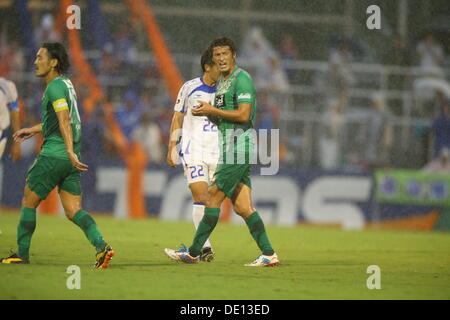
(201, 79)
(232, 72)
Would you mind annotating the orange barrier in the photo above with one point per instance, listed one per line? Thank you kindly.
(136, 164)
(415, 223)
(165, 63)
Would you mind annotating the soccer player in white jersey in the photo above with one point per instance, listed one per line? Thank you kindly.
(9, 115)
(198, 149)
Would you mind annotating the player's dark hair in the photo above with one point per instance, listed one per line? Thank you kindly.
(223, 42)
(206, 59)
(57, 51)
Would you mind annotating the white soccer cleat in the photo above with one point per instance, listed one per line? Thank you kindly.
(265, 261)
(181, 255)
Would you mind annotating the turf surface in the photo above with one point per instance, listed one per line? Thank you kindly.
(317, 263)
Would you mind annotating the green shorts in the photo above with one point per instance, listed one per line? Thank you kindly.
(46, 173)
(228, 176)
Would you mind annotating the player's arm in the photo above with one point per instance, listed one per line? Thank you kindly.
(26, 133)
(174, 136)
(15, 124)
(241, 114)
(61, 109)
(176, 125)
(65, 128)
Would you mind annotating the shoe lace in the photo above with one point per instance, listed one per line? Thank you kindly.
(257, 258)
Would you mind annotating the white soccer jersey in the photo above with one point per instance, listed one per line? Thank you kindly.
(199, 136)
(8, 101)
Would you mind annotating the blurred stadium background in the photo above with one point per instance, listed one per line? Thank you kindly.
(364, 115)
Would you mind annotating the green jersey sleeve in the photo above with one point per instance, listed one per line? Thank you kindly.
(245, 90)
(56, 93)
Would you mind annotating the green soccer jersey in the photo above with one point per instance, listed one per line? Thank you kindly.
(58, 96)
(238, 88)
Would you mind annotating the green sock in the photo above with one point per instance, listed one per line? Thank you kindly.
(89, 227)
(258, 232)
(205, 227)
(25, 229)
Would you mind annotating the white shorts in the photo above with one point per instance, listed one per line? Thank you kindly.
(199, 172)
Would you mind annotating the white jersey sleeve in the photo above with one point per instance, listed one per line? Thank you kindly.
(8, 88)
(4, 113)
(180, 104)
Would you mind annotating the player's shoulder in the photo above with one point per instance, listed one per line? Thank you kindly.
(193, 83)
(58, 87)
(242, 73)
(57, 83)
(7, 85)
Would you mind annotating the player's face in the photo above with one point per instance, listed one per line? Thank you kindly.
(214, 72)
(42, 63)
(224, 58)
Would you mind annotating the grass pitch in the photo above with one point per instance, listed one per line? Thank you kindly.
(316, 263)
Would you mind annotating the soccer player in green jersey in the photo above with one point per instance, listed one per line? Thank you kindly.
(235, 112)
(59, 163)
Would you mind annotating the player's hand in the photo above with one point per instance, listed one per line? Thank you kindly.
(76, 163)
(172, 158)
(16, 153)
(203, 109)
(23, 134)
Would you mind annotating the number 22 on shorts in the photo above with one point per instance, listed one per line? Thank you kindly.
(196, 171)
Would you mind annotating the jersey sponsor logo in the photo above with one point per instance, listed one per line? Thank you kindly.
(223, 86)
(219, 101)
(245, 96)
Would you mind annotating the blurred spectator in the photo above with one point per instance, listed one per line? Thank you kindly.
(331, 138)
(397, 54)
(380, 140)
(149, 135)
(288, 48)
(265, 68)
(107, 65)
(428, 92)
(431, 57)
(129, 113)
(440, 128)
(340, 78)
(289, 52)
(125, 49)
(12, 59)
(267, 118)
(46, 31)
(441, 164)
(268, 112)
(146, 101)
